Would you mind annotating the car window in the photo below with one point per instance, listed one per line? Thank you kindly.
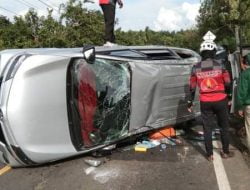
(127, 53)
(184, 55)
(161, 54)
(101, 97)
(123, 53)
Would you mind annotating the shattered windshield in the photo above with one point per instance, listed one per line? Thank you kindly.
(100, 96)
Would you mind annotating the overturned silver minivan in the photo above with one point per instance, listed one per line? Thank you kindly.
(59, 103)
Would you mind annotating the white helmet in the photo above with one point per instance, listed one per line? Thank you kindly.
(207, 45)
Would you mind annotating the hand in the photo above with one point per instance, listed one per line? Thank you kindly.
(190, 109)
(190, 106)
(241, 113)
(120, 3)
(229, 103)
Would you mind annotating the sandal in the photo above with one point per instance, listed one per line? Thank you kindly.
(210, 158)
(230, 154)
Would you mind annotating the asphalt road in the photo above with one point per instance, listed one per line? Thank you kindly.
(181, 167)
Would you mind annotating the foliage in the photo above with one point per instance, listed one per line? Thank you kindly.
(5, 26)
(77, 26)
(82, 26)
(223, 17)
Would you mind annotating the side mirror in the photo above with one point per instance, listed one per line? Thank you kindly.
(89, 54)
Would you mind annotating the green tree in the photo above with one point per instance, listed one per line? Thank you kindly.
(51, 32)
(23, 32)
(5, 25)
(82, 26)
(77, 26)
(189, 39)
(225, 18)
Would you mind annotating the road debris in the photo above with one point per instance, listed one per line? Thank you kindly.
(93, 162)
(140, 149)
(163, 133)
(4, 170)
(180, 132)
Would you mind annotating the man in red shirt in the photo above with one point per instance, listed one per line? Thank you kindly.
(213, 81)
(108, 8)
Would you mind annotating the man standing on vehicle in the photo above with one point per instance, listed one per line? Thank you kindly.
(213, 81)
(108, 8)
(243, 95)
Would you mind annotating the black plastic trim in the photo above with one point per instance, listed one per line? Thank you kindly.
(2, 138)
(74, 124)
(21, 155)
(13, 65)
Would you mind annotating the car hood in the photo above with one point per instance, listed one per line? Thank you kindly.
(39, 104)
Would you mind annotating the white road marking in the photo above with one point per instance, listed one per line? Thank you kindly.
(219, 169)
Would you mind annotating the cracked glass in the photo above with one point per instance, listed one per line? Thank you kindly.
(102, 97)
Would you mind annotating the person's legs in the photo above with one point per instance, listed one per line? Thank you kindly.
(221, 110)
(247, 124)
(207, 119)
(109, 19)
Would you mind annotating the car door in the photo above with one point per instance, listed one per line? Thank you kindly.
(235, 72)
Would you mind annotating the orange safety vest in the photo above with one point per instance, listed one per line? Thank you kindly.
(106, 1)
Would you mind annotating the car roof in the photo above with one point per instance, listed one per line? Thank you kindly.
(99, 50)
(149, 52)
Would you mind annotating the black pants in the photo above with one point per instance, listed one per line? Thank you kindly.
(109, 19)
(220, 109)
